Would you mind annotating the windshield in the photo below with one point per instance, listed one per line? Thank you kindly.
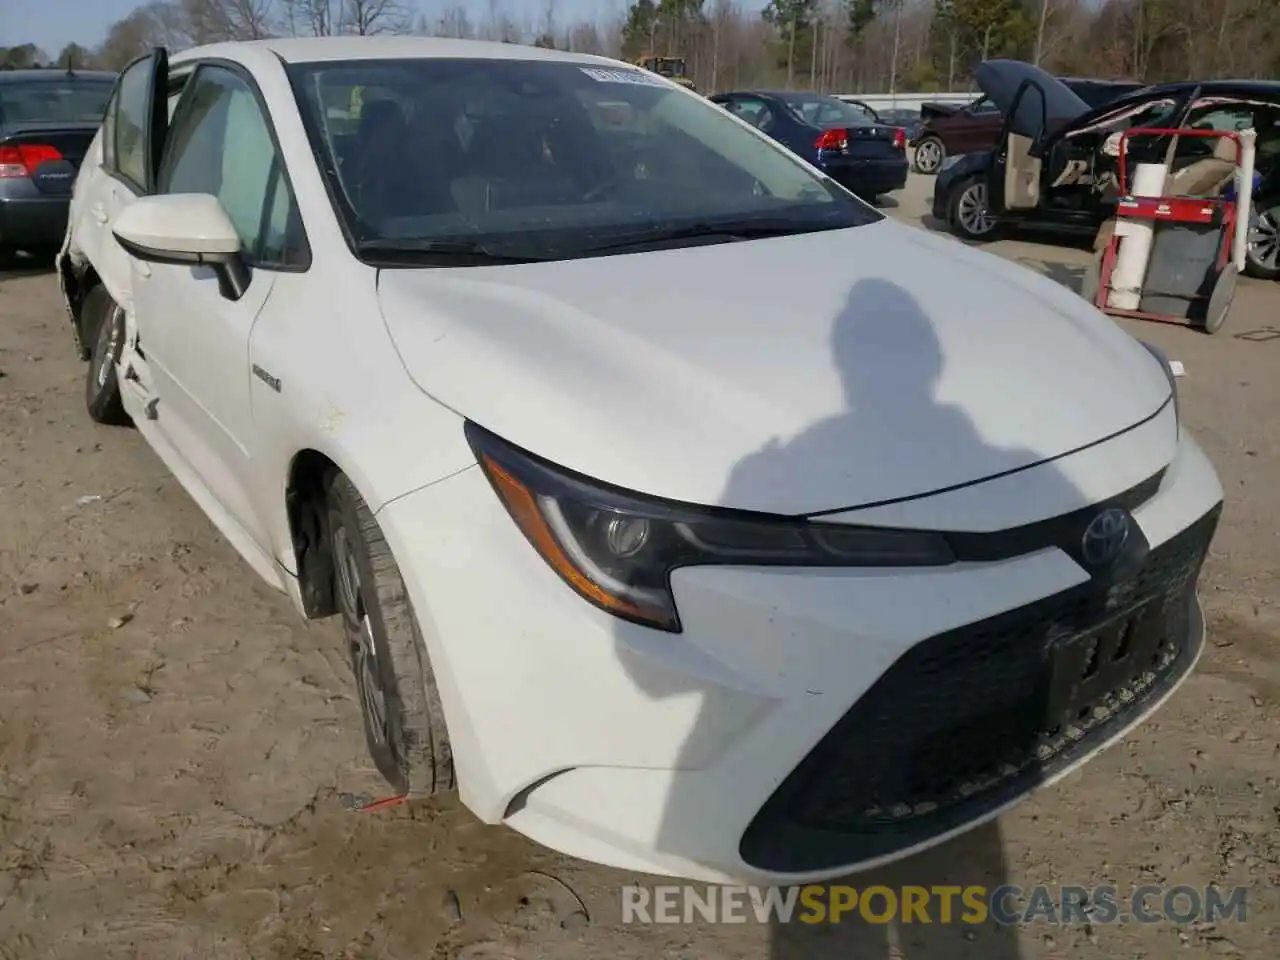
(62, 101)
(546, 159)
(824, 112)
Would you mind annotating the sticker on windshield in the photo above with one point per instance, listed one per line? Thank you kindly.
(640, 77)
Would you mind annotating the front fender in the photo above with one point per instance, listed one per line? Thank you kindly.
(956, 170)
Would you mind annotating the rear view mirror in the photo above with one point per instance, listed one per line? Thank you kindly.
(185, 228)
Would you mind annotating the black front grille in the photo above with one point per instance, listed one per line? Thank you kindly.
(968, 720)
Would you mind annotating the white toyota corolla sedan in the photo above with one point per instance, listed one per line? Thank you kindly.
(686, 512)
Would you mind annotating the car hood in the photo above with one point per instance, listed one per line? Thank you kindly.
(1000, 80)
(788, 375)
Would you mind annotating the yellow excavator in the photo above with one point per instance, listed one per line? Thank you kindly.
(673, 68)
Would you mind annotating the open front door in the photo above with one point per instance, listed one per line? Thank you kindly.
(1015, 173)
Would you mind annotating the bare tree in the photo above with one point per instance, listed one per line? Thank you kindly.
(316, 18)
(366, 18)
(905, 45)
(209, 21)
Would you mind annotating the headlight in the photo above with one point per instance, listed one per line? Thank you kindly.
(1169, 375)
(950, 162)
(617, 549)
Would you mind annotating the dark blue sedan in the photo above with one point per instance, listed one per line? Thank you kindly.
(47, 121)
(863, 155)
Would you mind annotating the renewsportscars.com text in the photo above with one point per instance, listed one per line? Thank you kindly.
(1006, 905)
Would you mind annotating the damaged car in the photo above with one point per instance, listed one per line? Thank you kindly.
(951, 129)
(1055, 166)
(637, 569)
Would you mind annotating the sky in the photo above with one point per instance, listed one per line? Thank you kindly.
(51, 24)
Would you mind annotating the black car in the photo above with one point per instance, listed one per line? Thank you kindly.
(47, 120)
(1097, 93)
(863, 155)
(1055, 166)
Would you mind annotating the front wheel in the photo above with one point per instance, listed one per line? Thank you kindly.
(399, 703)
(929, 155)
(968, 214)
(1262, 253)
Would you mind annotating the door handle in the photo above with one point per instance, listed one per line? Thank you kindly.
(99, 213)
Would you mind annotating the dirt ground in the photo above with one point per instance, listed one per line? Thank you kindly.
(175, 745)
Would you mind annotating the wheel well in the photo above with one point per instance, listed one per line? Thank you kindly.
(79, 286)
(306, 499)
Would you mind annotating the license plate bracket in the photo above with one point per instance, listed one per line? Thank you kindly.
(1086, 667)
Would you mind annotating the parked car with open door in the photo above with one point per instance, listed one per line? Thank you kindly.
(1055, 166)
(948, 130)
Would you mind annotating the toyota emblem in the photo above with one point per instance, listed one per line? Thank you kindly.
(1105, 537)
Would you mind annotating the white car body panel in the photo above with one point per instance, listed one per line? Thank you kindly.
(899, 374)
(689, 733)
(953, 391)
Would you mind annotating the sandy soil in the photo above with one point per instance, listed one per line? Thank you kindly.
(175, 746)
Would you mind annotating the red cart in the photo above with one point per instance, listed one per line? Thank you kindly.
(1189, 277)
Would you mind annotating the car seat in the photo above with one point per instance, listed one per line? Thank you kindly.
(379, 139)
(404, 168)
(507, 163)
(1021, 175)
(1207, 176)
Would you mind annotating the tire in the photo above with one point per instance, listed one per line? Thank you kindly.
(929, 155)
(1262, 256)
(103, 324)
(964, 223)
(1092, 277)
(1224, 291)
(400, 706)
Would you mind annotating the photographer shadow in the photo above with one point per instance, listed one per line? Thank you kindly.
(881, 320)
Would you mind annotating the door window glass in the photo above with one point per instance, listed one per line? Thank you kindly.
(755, 112)
(221, 145)
(130, 122)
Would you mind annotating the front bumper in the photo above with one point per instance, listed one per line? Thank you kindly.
(34, 223)
(806, 723)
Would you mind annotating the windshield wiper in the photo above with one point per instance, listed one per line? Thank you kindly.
(409, 250)
(730, 231)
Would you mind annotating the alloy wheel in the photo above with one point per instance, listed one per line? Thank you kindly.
(359, 630)
(1264, 240)
(928, 156)
(972, 210)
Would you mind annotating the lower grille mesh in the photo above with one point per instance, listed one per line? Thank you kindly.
(968, 719)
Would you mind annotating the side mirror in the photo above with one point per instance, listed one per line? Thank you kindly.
(185, 228)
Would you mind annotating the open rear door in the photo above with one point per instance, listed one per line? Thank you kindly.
(1014, 182)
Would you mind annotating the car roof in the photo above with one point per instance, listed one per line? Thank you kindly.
(1217, 88)
(52, 74)
(1102, 81)
(328, 49)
